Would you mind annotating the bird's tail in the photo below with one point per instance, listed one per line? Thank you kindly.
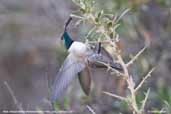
(116, 66)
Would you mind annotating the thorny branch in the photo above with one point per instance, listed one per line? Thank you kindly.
(114, 95)
(145, 100)
(90, 109)
(144, 79)
(114, 70)
(107, 30)
(136, 56)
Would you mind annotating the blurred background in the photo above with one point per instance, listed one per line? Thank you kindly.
(31, 54)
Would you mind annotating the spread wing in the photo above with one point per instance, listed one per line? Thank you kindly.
(85, 80)
(69, 70)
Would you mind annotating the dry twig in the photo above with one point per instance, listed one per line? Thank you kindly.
(91, 110)
(136, 56)
(18, 105)
(114, 70)
(116, 96)
(144, 79)
(145, 100)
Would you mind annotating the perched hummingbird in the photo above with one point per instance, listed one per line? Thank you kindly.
(81, 58)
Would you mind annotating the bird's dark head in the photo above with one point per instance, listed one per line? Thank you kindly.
(65, 36)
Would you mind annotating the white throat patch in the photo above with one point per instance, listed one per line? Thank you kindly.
(78, 48)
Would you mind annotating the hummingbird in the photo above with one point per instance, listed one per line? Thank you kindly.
(81, 58)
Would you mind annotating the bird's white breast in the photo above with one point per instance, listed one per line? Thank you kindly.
(78, 48)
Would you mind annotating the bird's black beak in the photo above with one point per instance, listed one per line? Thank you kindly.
(66, 25)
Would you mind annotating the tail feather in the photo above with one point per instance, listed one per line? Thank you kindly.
(116, 66)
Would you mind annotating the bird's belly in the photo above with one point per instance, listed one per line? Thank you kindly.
(78, 49)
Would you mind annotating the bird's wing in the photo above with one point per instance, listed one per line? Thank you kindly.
(105, 53)
(112, 63)
(69, 70)
(85, 80)
(98, 61)
(98, 49)
(100, 56)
